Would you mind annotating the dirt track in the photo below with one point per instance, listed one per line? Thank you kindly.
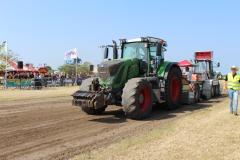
(48, 127)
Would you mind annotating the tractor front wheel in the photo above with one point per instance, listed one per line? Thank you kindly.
(218, 91)
(197, 93)
(212, 91)
(137, 98)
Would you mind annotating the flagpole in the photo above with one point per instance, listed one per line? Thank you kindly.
(76, 67)
(6, 63)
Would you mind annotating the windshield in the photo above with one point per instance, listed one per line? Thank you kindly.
(135, 50)
(202, 67)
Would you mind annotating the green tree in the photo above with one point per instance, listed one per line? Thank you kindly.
(70, 69)
(10, 57)
(67, 69)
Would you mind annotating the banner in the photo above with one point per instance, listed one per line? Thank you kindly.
(70, 56)
(19, 83)
(4, 47)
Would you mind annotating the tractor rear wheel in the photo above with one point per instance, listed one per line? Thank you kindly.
(137, 98)
(173, 88)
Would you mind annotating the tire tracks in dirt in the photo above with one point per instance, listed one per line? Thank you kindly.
(51, 128)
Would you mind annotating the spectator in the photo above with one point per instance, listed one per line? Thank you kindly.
(233, 85)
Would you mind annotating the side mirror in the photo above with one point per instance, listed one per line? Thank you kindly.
(115, 53)
(159, 49)
(115, 50)
(105, 56)
(164, 44)
(91, 68)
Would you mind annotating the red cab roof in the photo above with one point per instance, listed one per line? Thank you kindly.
(185, 63)
(204, 55)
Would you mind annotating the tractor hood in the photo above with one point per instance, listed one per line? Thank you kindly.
(108, 68)
(115, 73)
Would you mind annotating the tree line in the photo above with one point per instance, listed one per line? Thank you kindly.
(70, 69)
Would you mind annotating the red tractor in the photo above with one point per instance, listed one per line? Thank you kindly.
(200, 77)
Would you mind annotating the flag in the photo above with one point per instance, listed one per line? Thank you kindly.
(4, 47)
(70, 56)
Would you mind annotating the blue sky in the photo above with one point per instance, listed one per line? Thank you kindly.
(41, 31)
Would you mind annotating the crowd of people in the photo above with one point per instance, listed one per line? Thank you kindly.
(27, 79)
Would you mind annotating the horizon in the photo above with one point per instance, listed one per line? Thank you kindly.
(41, 32)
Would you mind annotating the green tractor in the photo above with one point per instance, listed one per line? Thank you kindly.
(134, 79)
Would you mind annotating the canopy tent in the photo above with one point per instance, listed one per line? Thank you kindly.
(185, 63)
(43, 70)
(12, 67)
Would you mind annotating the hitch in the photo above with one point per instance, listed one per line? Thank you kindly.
(89, 99)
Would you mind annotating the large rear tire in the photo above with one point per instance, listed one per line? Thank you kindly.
(173, 88)
(137, 98)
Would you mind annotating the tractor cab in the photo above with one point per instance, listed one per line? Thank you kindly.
(205, 75)
(149, 50)
(204, 65)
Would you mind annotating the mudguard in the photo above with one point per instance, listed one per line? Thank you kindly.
(164, 68)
